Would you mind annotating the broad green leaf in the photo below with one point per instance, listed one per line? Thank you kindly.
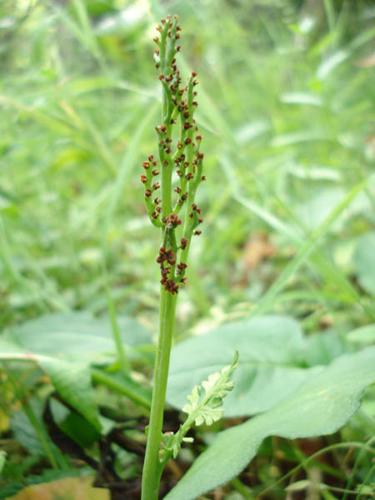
(73, 424)
(25, 433)
(320, 406)
(364, 262)
(71, 379)
(271, 351)
(365, 335)
(322, 348)
(73, 382)
(76, 335)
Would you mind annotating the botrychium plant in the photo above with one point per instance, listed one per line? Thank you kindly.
(171, 181)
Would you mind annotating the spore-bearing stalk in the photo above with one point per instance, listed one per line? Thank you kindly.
(179, 142)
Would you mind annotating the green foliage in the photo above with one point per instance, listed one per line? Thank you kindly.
(45, 341)
(73, 382)
(71, 379)
(362, 336)
(321, 405)
(272, 351)
(74, 425)
(286, 100)
(25, 432)
(77, 335)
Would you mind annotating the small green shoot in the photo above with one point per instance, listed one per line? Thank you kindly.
(205, 407)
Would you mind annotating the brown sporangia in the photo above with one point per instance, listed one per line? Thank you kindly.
(179, 174)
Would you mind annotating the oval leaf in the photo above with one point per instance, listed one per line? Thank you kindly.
(320, 406)
(271, 351)
(76, 335)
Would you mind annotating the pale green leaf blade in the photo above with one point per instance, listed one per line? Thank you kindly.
(320, 406)
(76, 335)
(73, 382)
(71, 379)
(365, 335)
(271, 350)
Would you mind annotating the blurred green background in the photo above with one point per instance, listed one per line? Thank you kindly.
(287, 113)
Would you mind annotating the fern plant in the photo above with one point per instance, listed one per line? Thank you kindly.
(171, 182)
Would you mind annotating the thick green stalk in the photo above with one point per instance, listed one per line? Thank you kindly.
(152, 468)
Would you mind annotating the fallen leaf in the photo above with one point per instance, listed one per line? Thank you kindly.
(256, 250)
(366, 62)
(72, 488)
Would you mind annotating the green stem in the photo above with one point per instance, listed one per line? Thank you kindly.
(127, 387)
(152, 468)
(116, 333)
(55, 457)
